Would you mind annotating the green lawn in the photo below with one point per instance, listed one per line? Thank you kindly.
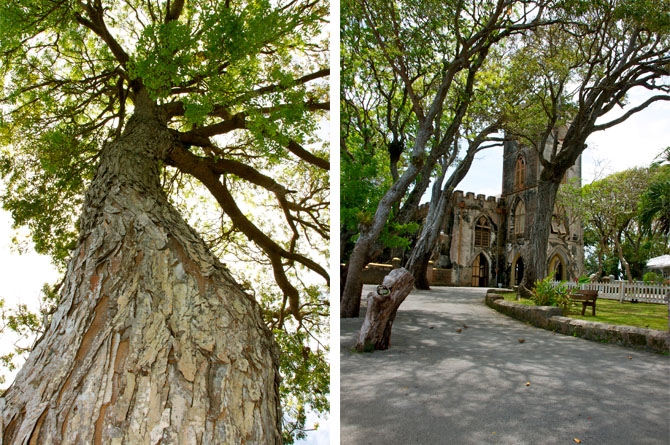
(642, 315)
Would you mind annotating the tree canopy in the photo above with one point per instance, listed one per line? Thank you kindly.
(419, 78)
(576, 71)
(615, 212)
(415, 65)
(655, 203)
(242, 86)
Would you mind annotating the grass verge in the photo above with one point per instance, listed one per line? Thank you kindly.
(641, 315)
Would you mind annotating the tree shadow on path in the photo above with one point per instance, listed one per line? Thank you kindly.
(483, 385)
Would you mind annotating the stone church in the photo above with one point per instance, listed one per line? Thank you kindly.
(482, 240)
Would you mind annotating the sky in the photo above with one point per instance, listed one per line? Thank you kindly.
(633, 143)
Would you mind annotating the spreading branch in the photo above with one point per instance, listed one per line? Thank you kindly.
(209, 175)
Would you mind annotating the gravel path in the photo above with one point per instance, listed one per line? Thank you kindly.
(496, 381)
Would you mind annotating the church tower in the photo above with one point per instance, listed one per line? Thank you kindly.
(521, 170)
(484, 238)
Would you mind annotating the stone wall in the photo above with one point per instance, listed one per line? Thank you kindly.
(374, 273)
(440, 277)
(536, 315)
(550, 318)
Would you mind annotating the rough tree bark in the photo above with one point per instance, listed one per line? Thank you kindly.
(423, 250)
(441, 204)
(153, 341)
(376, 330)
(405, 215)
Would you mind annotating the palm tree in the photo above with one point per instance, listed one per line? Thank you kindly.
(655, 203)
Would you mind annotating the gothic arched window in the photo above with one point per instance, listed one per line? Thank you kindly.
(520, 173)
(482, 232)
(519, 218)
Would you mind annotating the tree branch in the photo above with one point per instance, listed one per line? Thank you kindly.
(630, 112)
(276, 87)
(96, 23)
(174, 10)
(306, 156)
(199, 168)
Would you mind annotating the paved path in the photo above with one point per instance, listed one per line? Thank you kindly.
(437, 386)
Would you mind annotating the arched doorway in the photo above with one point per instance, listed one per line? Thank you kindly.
(480, 271)
(518, 271)
(556, 266)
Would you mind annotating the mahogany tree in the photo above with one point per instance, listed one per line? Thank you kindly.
(428, 45)
(131, 110)
(576, 72)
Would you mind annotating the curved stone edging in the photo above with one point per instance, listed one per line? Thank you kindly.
(551, 318)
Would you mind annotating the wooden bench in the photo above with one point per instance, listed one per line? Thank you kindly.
(587, 298)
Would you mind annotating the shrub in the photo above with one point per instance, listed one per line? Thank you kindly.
(543, 293)
(563, 297)
(652, 277)
(584, 279)
(546, 294)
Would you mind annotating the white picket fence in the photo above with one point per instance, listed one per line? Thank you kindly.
(624, 291)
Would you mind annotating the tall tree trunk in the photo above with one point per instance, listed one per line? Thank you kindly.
(350, 303)
(601, 254)
(350, 300)
(407, 211)
(535, 257)
(420, 162)
(366, 247)
(419, 259)
(440, 205)
(622, 259)
(153, 341)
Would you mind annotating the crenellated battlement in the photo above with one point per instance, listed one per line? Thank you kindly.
(478, 201)
(465, 200)
(482, 239)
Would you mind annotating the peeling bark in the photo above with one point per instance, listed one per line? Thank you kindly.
(153, 341)
(376, 330)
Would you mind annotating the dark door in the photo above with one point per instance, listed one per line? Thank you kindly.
(480, 271)
(518, 271)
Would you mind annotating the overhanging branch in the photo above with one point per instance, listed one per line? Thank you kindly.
(199, 168)
(631, 112)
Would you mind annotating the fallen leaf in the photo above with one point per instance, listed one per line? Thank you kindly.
(465, 325)
(521, 340)
(630, 357)
(527, 383)
(577, 440)
(459, 330)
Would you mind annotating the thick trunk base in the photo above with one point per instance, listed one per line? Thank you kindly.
(419, 269)
(376, 330)
(524, 292)
(153, 341)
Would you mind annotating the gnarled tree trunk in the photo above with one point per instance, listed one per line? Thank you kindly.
(375, 333)
(350, 301)
(153, 341)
